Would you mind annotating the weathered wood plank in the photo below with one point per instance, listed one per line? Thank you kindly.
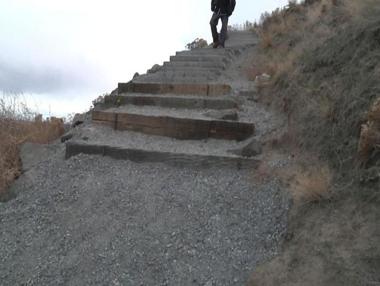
(178, 160)
(171, 102)
(179, 128)
(125, 87)
(105, 123)
(219, 89)
(165, 88)
(176, 88)
(104, 116)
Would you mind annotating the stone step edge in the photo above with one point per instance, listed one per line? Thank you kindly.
(177, 160)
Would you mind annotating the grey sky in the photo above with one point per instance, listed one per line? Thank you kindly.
(66, 53)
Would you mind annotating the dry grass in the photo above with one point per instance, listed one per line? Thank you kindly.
(266, 40)
(370, 135)
(313, 186)
(20, 124)
(361, 11)
(325, 75)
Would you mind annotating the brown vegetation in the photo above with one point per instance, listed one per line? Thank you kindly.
(313, 186)
(20, 124)
(369, 142)
(197, 43)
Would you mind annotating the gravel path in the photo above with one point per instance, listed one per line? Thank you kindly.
(92, 220)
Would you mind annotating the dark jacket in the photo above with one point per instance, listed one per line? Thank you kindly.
(223, 6)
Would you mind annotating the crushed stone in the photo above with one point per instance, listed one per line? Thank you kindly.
(92, 220)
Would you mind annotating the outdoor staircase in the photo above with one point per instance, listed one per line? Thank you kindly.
(185, 83)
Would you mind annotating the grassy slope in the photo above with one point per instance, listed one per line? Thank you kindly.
(324, 60)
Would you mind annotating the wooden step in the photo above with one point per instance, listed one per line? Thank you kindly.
(169, 101)
(179, 128)
(176, 88)
(177, 160)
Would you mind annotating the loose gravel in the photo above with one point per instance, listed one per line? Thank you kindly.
(92, 220)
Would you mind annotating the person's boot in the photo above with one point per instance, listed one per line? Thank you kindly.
(216, 44)
(221, 46)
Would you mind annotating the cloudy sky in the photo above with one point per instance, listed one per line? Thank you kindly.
(64, 54)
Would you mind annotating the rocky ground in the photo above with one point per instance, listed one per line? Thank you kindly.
(92, 220)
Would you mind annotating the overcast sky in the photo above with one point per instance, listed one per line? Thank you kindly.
(67, 53)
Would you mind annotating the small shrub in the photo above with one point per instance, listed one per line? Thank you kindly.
(313, 186)
(266, 40)
(197, 43)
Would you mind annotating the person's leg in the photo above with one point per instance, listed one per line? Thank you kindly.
(214, 23)
(223, 31)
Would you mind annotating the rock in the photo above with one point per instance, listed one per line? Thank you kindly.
(249, 148)
(78, 119)
(262, 79)
(67, 137)
(154, 69)
(250, 95)
(31, 154)
(99, 100)
(229, 114)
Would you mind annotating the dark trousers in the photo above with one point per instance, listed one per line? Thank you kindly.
(223, 33)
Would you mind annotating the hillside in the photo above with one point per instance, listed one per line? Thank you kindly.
(323, 58)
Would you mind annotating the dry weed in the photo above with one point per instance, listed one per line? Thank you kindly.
(264, 174)
(314, 13)
(19, 124)
(266, 39)
(374, 113)
(369, 135)
(312, 187)
(197, 43)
